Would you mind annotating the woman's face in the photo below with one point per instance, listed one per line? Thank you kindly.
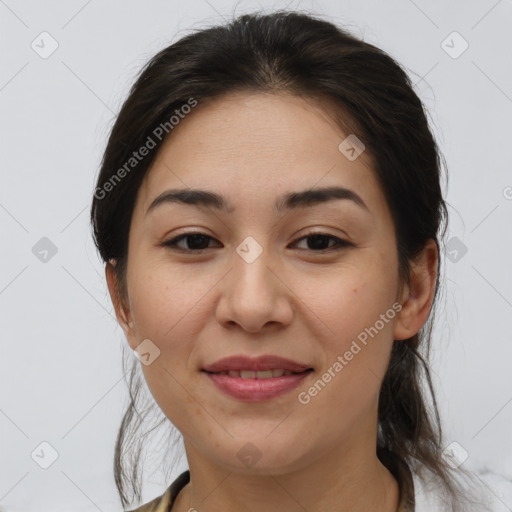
(258, 283)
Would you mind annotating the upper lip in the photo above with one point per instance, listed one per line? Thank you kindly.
(261, 363)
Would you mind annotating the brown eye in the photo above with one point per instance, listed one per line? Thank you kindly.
(318, 242)
(195, 241)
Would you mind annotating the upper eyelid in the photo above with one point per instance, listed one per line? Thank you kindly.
(182, 236)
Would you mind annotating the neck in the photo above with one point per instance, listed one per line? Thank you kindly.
(342, 481)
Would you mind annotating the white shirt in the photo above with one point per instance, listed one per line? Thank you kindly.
(494, 491)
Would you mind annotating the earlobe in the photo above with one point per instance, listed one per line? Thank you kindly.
(418, 296)
(122, 313)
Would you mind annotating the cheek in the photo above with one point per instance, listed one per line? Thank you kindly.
(160, 310)
(354, 326)
(165, 314)
(349, 301)
(164, 303)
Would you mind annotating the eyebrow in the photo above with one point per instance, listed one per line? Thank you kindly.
(288, 201)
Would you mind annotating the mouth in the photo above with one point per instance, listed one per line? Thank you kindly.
(251, 386)
(263, 374)
(259, 379)
(256, 367)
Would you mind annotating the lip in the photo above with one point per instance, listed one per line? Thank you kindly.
(261, 363)
(256, 390)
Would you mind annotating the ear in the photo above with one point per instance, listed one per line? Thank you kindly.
(417, 297)
(123, 313)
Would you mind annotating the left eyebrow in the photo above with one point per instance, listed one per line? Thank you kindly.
(288, 201)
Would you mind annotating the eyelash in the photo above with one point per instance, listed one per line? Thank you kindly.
(340, 244)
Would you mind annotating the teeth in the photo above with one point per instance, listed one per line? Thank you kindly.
(248, 374)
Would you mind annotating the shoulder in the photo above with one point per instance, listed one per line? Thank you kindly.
(499, 489)
(164, 502)
(159, 504)
(492, 492)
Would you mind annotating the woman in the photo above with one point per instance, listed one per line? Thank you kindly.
(270, 213)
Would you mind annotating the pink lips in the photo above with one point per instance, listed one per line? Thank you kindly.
(261, 363)
(254, 389)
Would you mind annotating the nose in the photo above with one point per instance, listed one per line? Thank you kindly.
(254, 295)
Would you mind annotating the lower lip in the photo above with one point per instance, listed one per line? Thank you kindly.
(256, 390)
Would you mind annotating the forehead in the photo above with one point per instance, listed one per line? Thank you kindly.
(255, 145)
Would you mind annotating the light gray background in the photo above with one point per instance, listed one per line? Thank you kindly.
(60, 363)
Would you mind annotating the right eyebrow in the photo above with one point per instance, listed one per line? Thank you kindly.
(288, 201)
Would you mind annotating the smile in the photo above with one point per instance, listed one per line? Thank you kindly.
(256, 386)
(265, 374)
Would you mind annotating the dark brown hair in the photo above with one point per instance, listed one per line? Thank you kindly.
(371, 96)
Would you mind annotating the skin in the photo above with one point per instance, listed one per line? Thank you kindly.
(294, 301)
